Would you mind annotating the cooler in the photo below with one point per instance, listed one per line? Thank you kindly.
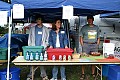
(14, 74)
(105, 69)
(114, 73)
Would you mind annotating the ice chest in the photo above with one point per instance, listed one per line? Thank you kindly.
(114, 73)
(58, 51)
(33, 50)
(14, 74)
(105, 69)
(3, 53)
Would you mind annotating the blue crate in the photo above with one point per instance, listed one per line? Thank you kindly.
(114, 73)
(105, 69)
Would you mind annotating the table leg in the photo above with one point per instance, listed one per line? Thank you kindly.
(101, 71)
(32, 72)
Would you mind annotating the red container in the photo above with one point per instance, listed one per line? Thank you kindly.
(106, 41)
(58, 51)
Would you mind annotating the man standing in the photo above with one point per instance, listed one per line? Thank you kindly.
(89, 39)
(38, 36)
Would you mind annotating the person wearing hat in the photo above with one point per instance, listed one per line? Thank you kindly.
(89, 40)
(38, 36)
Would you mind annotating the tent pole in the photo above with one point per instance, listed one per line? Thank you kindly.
(9, 41)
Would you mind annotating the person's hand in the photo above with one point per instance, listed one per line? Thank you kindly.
(97, 44)
(82, 44)
(66, 47)
(50, 47)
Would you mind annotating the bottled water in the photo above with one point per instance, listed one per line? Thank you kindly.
(45, 56)
(27, 56)
(105, 55)
(60, 57)
(69, 57)
(64, 57)
(31, 56)
(53, 57)
(37, 56)
(41, 57)
(105, 36)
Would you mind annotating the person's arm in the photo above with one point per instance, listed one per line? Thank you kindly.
(65, 41)
(30, 38)
(81, 40)
(50, 39)
(98, 37)
(47, 37)
(81, 36)
(98, 41)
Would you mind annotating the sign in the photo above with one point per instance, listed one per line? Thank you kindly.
(3, 17)
(108, 48)
(67, 12)
(18, 11)
(117, 48)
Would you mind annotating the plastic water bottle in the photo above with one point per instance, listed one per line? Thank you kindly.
(27, 56)
(60, 57)
(64, 57)
(37, 56)
(45, 56)
(53, 57)
(104, 36)
(69, 57)
(105, 55)
(31, 56)
(41, 57)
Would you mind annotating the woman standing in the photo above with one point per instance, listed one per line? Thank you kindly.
(58, 39)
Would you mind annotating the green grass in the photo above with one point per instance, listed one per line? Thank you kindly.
(72, 72)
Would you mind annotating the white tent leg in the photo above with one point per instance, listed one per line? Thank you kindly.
(9, 41)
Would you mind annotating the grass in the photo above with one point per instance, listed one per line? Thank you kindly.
(72, 72)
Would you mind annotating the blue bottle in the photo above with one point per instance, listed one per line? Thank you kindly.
(27, 56)
(31, 56)
(37, 56)
(41, 57)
